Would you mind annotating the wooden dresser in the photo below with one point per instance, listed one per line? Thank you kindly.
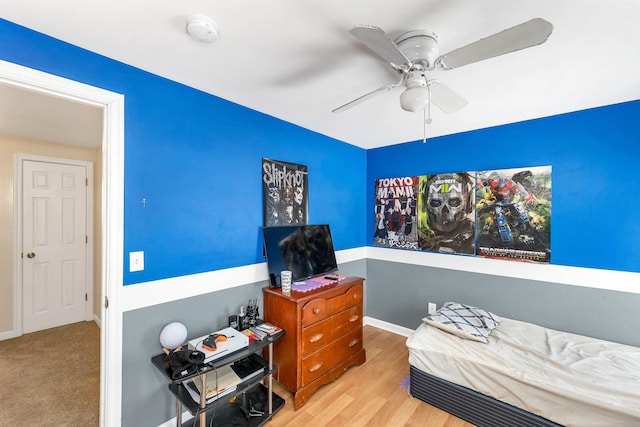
(324, 334)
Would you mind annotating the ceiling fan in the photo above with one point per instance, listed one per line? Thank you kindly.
(414, 53)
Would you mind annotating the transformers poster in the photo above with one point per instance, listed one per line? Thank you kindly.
(285, 193)
(446, 213)
(395, 212)
(513, 214)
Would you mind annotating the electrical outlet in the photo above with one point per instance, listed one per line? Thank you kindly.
(136, 261)
(431, 308)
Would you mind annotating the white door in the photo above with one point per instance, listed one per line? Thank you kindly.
(54, 258)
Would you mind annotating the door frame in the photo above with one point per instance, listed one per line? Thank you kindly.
(18, 203)
(112, 214)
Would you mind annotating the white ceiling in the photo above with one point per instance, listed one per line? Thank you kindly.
(295, 59)
(35, 116)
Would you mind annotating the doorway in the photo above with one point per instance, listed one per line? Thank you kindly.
(111, 213)
(55, 211)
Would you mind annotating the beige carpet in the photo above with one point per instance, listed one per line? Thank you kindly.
(51, 377)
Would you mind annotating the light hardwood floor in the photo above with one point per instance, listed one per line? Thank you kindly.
(367, 395)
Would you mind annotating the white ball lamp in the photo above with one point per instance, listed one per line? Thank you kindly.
(416, 97)
(173, 336)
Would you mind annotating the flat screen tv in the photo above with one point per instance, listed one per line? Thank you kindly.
(306, 250)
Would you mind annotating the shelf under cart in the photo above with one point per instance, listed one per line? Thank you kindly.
(233, 414)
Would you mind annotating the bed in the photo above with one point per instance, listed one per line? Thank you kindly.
(494, 371)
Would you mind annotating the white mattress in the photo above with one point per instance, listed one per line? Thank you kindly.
(569, 379)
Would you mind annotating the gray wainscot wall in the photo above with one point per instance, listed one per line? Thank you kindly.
(146, 400)
(398, 293)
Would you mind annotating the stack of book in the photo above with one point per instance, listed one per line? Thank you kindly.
(261, 331)
(258, 334)
(268, 328)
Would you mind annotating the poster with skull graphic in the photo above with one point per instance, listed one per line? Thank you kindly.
(513, 214)
(446, 213)
(395, 212)
(285, 192)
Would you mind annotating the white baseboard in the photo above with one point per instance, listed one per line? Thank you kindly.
(390, 327)
(8, 335)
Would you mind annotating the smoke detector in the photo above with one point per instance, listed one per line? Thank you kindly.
(202, 28)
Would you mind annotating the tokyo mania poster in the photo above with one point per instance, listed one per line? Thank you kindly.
(395, 212)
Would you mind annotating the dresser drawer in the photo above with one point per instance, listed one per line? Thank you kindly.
(322, 333)
(336, 304)
(347, 321)
(317, 335)
(314, 311)
(353, 296)
(326, 358)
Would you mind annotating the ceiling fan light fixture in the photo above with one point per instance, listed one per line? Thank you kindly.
(414, 53)
(202, 28)
(414, 98)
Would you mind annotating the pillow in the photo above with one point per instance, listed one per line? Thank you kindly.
(464, 321)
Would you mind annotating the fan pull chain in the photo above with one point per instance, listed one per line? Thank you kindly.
(424, 130)
(427, 119)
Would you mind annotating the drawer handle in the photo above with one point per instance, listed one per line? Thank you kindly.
(316, 338)
(354, 343)
(315, 367)
(316, 310)
(354, 318)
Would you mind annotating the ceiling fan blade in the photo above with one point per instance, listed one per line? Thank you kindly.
(527, 34)
(446, 99)
(379, 42)
(366, 96)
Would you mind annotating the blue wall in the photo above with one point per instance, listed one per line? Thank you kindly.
(197, 160)
(594, 156)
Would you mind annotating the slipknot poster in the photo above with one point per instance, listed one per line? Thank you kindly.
(395, 212)
(285, 193)
(514, 214)
(446, 213)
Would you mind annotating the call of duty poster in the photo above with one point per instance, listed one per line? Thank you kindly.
(446, 214)
(285, 193)
(513, 214)
(395, 212)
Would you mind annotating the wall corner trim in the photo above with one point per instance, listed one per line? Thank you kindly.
(612, 280)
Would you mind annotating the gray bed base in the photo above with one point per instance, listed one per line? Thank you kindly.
(471, 406)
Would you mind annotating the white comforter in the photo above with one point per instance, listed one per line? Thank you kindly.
(570, 379)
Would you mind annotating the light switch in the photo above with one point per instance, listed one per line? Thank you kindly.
(136, 261)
